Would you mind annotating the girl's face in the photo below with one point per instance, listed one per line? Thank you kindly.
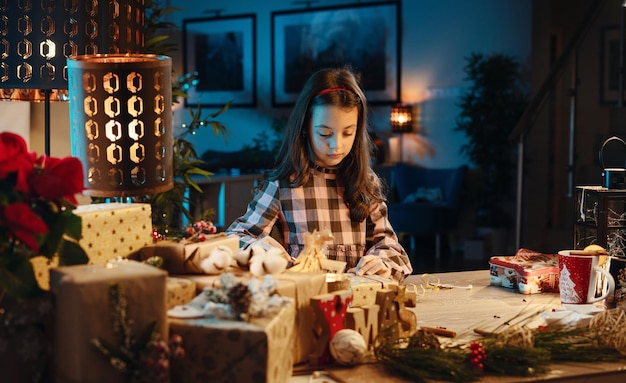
(331, 133)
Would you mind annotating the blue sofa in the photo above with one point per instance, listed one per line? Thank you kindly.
(424, 201)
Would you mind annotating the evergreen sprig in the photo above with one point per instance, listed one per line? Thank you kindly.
(422, 359)
(141, 359)
(575, 345)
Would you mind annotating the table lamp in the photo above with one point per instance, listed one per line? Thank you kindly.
(401, 118)
(37, 37)
(121, 123)
(401, 122)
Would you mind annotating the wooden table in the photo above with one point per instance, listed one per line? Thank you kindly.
(463, 309)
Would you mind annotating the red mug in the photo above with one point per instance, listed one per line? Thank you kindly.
(584, 278)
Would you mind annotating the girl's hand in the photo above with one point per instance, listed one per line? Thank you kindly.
(371, 264)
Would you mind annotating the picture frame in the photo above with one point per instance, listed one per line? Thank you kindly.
(610, 65)
(364, 36)
(221, 53)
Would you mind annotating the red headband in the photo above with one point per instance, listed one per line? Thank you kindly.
(328, 90)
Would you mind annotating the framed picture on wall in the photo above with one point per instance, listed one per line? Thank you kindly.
(364, 36)
(221, 53)
(610, 65)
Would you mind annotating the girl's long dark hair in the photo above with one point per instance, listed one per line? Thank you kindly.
(295, 157)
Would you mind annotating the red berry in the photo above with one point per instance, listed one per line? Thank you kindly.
(176, 340)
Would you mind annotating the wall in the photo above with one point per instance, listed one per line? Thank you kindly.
(436, 37)
(15, 117)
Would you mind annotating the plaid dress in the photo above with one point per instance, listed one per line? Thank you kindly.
(319, 205)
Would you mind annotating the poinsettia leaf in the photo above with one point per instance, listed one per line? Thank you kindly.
(73, 225)
(18, 278)
(56, 229)
(8, 193)
(71, 253)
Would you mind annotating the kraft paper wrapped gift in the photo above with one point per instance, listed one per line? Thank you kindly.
(364, 288)
(179, 291)
(185, 257)
(84, 312)
(235, 351)
(299, 286)
(109, 231)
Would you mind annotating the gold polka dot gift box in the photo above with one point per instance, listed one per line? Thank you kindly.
(109, 231)
(112, 230)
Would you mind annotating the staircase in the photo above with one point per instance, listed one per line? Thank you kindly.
(551, 159)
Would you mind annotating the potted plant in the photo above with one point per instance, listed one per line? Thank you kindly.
(170, 207)
(490, 109)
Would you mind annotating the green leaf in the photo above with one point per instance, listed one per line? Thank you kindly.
(222, 110)
(18, 278)
(74, 225)
(56, 230)
(156, 40)
(71, 253)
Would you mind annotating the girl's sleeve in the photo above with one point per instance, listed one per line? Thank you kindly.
(260, 216)
(383, 242)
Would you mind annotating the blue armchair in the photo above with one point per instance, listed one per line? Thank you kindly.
(425, 201)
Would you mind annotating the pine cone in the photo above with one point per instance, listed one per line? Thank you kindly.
(239, 298)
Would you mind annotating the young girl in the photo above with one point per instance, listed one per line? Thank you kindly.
(323, 180)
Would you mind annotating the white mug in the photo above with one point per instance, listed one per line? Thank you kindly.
(582, 276)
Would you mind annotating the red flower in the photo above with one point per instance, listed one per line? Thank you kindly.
(57, 178)
(14, 157)
(35, 217)
(23, 223)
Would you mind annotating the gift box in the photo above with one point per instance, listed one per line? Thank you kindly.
(179, 291)
(85, 312)
(109, 231)
(235, 351)
(528, 272)
(181, 257)
(299, 286)
(364, 288)
(112, 230)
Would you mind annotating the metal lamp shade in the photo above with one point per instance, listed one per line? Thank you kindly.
(37, 37)
(121, 123)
